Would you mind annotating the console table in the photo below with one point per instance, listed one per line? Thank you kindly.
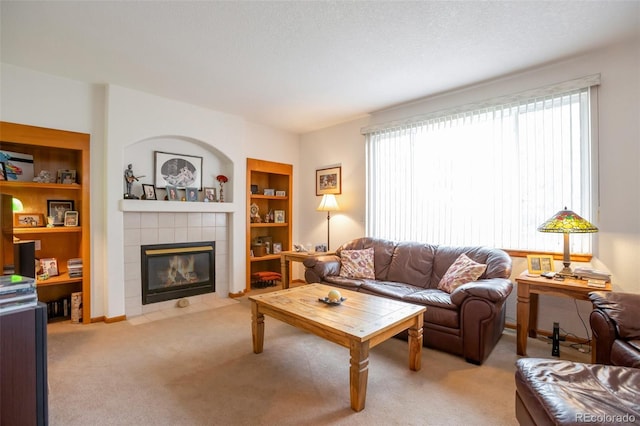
(286, 257)
(527, 309)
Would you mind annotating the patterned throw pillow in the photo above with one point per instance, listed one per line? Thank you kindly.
(462, 271)
(357, 264)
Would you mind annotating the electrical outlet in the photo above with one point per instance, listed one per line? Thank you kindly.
(38, 244)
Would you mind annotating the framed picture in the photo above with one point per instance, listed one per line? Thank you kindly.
(67, 176)
(269, 191)
(277, 248)
(71, 218)
(279, 216)
(179, 170)
(192, 194)
(3, 172)
(321, 248)
(329, 181)
(210, 194)
(49, 266)
(149, 191)
(254, 189)
(23, 220)
(57, 209)
(172, 193)
(540, 263)
(281, 193)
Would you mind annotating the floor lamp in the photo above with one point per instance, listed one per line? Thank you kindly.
(328, 204)
(567, 222)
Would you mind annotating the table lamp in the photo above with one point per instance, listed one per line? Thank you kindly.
(328, 204)
(567, 222)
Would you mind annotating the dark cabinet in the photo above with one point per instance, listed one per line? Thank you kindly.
(23, 367)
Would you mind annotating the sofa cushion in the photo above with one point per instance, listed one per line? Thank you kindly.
(357, 263)
(348, 283)
(412, 263)
(431, 297)
(388, 288)
(462, 271)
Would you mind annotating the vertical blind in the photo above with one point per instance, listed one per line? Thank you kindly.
(485, 176)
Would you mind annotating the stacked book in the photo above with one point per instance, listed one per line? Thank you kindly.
(75, 267)
(17, 292)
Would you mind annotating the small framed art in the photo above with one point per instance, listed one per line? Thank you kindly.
(539, 263)
(192, 194)
(177, 170)
(277, 248)
(57, 209)
(329, 181)
(279, 216)
(49, 266)
(149, 192)
(24, 220)
(210, 195)
(70, 218)
(269, 192)
(281, 193)
(172, 193)
(66, 176)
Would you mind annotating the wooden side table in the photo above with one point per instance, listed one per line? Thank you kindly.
(286, 257)
(527, 310)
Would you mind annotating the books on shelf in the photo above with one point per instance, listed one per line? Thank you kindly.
(74, 267)
(17, 292)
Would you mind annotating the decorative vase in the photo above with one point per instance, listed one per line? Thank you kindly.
(221, 193)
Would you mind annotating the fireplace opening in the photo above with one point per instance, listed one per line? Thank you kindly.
(173, 271)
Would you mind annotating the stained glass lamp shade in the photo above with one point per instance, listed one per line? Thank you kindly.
(567, 222)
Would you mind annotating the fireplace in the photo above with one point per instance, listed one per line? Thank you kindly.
(173, 271)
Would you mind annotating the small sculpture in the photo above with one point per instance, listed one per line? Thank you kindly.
(129, 178)
(44, 177)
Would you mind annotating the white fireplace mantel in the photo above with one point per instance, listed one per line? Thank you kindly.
(175, 206)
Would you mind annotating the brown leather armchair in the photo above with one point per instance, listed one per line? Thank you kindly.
(615, 324)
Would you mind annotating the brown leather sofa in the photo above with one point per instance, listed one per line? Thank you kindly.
(615, 323)
(560, 392)
(468, 322)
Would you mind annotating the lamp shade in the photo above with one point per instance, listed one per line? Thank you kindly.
(16, 205)
(328, 203)
(567, 222)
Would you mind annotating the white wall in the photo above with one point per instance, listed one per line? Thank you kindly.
(617, 245)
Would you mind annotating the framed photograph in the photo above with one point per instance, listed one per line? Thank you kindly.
(322, 248)
(3, 172)
(329, 181)
(149, 192)
(172, 193)
(49, 266)
(540, 263)
(192, 194)
(269, 191)
(24, 220)
(57, 209)
(281, 193)
(254, 189)
(279, 216)
(179, 170)
(277, 248)
(71, 218)
(210, 194)
(66, 176)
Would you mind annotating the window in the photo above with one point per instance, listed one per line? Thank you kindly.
(486, 174)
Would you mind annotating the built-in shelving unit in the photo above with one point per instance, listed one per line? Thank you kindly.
(263, 175)
(53, 150)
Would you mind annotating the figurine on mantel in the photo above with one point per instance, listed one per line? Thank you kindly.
(129, 178)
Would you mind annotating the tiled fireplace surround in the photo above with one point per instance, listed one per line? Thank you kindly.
(142, 228)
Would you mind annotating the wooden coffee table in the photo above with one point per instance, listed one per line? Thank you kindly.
(359, 323)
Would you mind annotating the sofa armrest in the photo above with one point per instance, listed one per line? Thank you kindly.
(622, 309)
(319, 267)
(493, 289)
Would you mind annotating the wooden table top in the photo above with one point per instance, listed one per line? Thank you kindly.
(360, 316)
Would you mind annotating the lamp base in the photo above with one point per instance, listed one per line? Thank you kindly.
(566, 273)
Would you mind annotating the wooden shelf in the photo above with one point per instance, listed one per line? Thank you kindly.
(45, 230)
(267, 257)
(63, 278)
(269, 225)
(38, 186)
(267, 197)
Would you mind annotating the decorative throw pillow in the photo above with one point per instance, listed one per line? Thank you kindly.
(357, 263)
(462, 271)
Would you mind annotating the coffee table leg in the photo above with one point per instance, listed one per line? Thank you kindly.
(257, 327)
(415, 344)
(358, 374)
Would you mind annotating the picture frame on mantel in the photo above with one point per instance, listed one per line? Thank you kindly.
(178, 170)
(329, 180)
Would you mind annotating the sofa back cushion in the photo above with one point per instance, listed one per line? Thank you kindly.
(412, 263)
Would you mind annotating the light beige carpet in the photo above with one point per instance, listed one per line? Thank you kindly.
(199, 369)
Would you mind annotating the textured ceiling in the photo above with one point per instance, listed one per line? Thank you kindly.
(302, 65)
